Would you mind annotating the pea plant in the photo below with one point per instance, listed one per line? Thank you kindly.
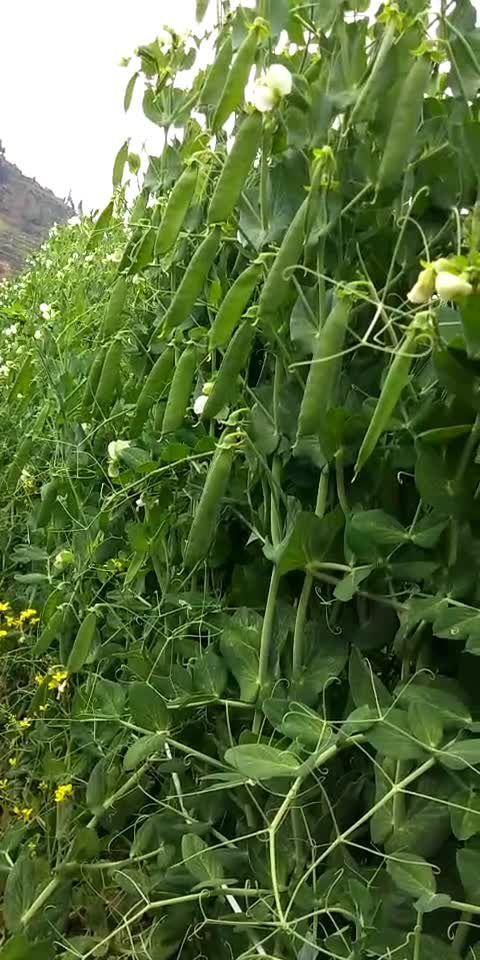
(239, 514)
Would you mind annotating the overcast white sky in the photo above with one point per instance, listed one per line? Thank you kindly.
(61, 110)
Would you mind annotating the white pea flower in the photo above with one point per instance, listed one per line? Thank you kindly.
(3, 370)
(140, 503)
(268, 90)
(46, 311)
(200, 404)
(11, 330)
(37, 335)
(449, 286)
(114, 257)
(424, 288)
(116, 447)
(74, 221)
(164, 40)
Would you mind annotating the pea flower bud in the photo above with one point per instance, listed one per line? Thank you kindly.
(424, 288)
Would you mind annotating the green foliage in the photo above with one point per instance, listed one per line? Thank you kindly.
(239, 521)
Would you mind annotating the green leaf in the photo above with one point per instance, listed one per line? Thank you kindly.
(101, 784)
(412, 874)
(465, 813)
(259, 762)
(470, 313)
(325, 660)
(240, 644)
(452, 710)
(425, 723)
(307, 542)
(459, 755)
(210, 674)
(468, 863)
(147, 707)
(119, 165)
(143, 749)
(373, 531)
(129, 90)
(366, 689)
(347, 588)
(202, 863)
(393, 738)
(27, 876)
(19, 948)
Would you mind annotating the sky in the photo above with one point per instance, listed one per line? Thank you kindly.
(61, 109)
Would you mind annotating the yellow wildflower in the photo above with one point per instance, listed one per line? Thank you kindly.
(24, 724)
(42, 708)
(13, 761)
(3, 633)
(4, 606)
(27, 614)
(39, 679)
(3, 784)
(64, 792)
(25, 813)
(58, 680)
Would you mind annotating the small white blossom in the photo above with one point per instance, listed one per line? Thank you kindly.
(164, 40)
(139, 503)
(74, 221)
(46, 311)
(115, 448)
(3, 370)
(199, 405)
(11, 330)
(424, 288)
(37, 335)
(114, 257)
(268, 90)
(449, 286)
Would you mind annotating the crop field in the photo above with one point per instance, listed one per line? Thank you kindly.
(240, 509)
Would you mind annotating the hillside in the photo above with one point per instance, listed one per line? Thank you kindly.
(27, 211)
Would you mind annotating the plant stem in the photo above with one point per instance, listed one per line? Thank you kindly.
(302, 608)
(266, 640)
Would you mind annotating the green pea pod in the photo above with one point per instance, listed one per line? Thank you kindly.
(109, 380)
(237, 79)
(23, 382)
(57, 625)
(180, 390)
(403, 128)
(49, 496)
(82, 644)
(236, 168)
(233, 305)
(93, 379)
(20, 459)
(321, 381)
(393, 386)
(276, 287)
(204, 522)
(152, 389)
(215, 79)
(369, 91)
(176, 210)
(225, 384)
(191, 285)
(113, 314)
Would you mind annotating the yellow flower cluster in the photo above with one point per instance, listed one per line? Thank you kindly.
(64, 792)
(26, 618)
(55, 679)
(24, 813)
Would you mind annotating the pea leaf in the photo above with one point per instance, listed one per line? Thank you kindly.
(257, 761)
(202, 863)
(240, 644)
(412, 874)
(307, 542)
(468, 863)
(461, 754)
(210, 674)
(147, 707)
